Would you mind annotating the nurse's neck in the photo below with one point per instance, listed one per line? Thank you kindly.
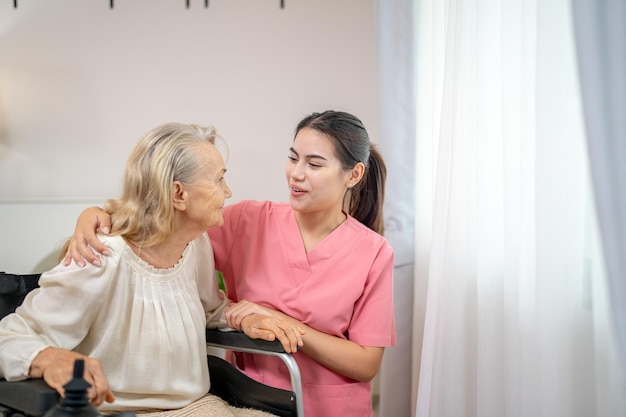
(314, 227)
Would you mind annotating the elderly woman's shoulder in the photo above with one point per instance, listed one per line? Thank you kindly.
(115, 243)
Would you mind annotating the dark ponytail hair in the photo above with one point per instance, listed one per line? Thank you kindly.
(352, 145)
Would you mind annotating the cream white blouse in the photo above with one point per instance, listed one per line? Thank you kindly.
(145, 325)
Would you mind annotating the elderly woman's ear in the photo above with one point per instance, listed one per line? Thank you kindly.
(179, 196)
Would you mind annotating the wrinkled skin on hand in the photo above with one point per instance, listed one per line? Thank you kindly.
(56, 367)
(260, 322)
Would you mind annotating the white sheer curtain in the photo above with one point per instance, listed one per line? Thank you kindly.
(396, 50)
(517, 313)
(601, 39)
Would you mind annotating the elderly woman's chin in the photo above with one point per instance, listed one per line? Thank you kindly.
(218, 218)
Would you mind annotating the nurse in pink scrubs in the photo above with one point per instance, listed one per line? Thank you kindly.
(319, 261)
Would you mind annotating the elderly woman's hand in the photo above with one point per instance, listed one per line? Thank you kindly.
(260, 322)
(56, 367)
(236, 312)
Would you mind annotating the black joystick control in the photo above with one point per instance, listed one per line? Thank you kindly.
(76, 403)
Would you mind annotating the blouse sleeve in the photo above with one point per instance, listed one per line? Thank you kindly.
(59, 313)
(214, 301)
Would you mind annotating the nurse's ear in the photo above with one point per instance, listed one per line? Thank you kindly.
(355, 174)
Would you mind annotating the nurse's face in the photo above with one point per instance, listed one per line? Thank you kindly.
(317, 181)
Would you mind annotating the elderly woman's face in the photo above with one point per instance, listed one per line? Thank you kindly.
(208, 191)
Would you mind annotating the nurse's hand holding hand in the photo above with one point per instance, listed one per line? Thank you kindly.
(259, 322)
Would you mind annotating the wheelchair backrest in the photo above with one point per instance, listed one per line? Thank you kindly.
(13, 289)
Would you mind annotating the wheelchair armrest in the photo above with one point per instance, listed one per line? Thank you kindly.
(32, 397)
(240, 342)
(237, 340)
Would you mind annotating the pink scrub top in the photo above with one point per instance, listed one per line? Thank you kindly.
(343, 287)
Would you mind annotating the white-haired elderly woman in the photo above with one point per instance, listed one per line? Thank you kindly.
(139, 320)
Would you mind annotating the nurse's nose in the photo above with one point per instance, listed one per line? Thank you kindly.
(298, 171)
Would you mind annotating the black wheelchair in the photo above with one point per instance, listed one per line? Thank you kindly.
(33, 397)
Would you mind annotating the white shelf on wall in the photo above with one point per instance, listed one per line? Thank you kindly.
(187, 4)
(48, 200)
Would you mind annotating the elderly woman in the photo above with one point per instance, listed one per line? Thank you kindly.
(139, 320)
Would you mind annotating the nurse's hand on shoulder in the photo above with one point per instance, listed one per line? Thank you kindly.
(56, 367)
(84, 244)
(259, 322)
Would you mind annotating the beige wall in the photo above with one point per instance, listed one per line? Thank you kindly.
(79, 83)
